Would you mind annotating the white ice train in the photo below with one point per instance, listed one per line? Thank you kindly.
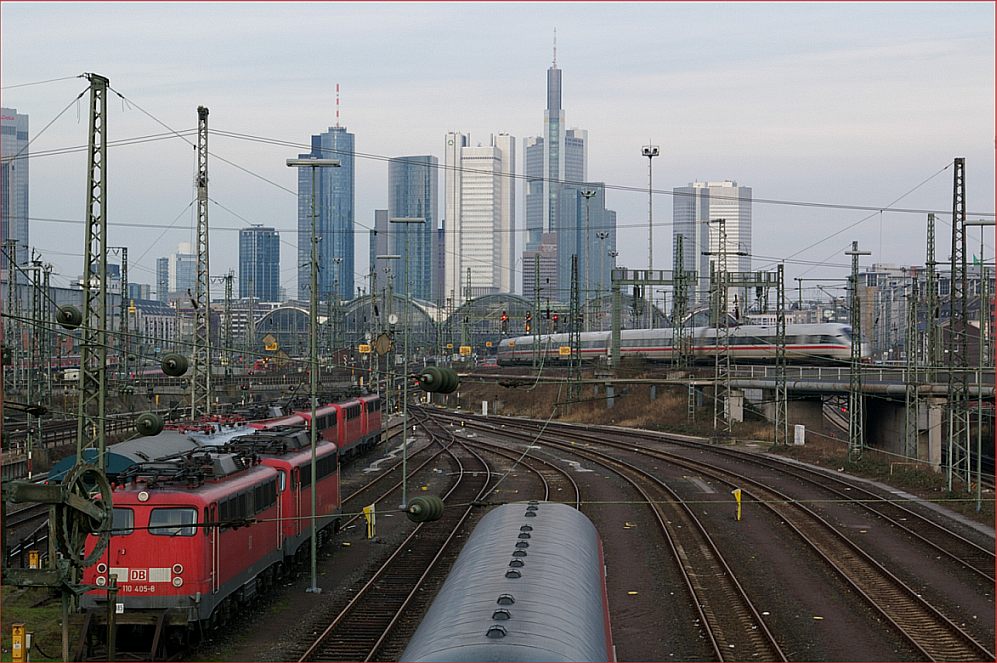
(805, 344)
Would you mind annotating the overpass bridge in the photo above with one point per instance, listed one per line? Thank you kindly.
(887, 393)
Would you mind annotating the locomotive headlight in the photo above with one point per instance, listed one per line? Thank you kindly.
(143, 496)
(177, 581)
(178, 569)
(102, 568)
(101, 581)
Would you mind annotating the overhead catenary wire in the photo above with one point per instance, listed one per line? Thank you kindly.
(875, 209)
(51, 122)
(371, 156)
(50, 80)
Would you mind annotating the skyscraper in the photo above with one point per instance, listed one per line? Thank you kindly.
(696, 205)
(259, 263)
(593, 269)
(480, 194)
(558, 157)
(540, 262)
(183, 271)
(14, 189)
(176, 275)
(334, 221)
(412, 193)
(163, 279)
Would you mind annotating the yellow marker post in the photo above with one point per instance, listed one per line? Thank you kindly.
(17, 648)
(33, 559)
(370, 517)
(737, 498)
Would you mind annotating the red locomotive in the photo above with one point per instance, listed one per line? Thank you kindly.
(353, 425)
(192, 538)
(196, 536)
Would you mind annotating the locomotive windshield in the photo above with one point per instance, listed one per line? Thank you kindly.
(172, 522)
(122, 521)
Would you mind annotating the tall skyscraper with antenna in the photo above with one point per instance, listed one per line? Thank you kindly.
(334, 206)
(559, 156)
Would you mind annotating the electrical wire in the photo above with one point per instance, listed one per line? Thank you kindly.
(51, 80)
(51, 122)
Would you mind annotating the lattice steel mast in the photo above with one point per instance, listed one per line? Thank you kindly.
(781, 395)
(957, 363)
(856, 435)
(575, 340)
(200, 382)
(680, 303)
(912, 343)
(933, 356)
(124, 339)
(91, 409)
(47, 336)
(721, 376)
(229, 342)
(13, 325)
(35, 389)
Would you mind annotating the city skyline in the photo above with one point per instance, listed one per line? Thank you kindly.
(852, 121)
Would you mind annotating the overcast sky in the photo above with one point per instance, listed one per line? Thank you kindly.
(848, 104)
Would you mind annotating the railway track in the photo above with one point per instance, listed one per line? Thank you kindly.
(943, 540)
(731, 623)
(362, 627)
(940, 539)
(925, 627)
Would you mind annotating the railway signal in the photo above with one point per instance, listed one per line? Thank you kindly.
(424, 508)
(174, 365)
(505, 322)
(437, 379)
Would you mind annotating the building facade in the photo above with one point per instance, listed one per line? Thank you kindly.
(413, 194)
(334, 219)
(695, 210)
(586, 229)
(540, 267)
(162, 279)
(176, 275)
(183, 272)
(259, 263)
(480, 195)
(14, 188)
(139, 291)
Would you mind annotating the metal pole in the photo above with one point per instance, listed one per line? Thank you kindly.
(588, 194)
(408, 323)
(650, 151)
(602, 277)
(313, 164)
(313, 380)
(983, 356)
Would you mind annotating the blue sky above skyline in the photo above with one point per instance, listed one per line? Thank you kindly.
(852, 103)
